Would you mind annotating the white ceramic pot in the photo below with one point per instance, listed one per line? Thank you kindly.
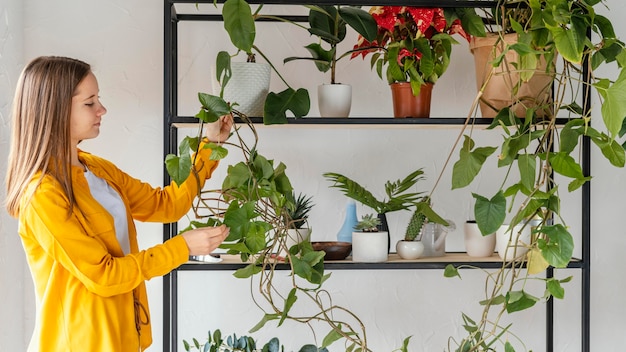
(511, 244)
(295, 236)
(477, 245)
(334, 100)
(369, 247)
(249, 86)
(409, 249)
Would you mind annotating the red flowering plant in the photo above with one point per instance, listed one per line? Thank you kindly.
(415, 43)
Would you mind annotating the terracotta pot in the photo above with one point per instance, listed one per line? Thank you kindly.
(405, 104)
(498, 90)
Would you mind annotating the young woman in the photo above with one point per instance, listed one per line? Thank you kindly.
(76, 213)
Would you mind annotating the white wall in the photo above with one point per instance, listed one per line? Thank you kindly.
(122, 39)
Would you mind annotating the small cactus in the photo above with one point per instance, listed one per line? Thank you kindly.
(368, 223)
(415, 226)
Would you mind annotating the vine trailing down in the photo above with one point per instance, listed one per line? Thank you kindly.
(254, 202)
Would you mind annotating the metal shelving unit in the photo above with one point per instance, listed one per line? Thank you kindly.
(172, 121)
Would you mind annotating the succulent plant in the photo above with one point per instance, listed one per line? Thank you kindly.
(368, 223)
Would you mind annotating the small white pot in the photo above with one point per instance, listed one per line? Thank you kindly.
(409, 249)
(369, 247)
(334, 100)
(511, 244)
(295, 236)
(477, 245)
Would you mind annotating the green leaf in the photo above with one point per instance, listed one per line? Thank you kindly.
(519, 300)
(613, 152)
(451, 271)
(469, 164)
(289, 302)
(178, 167)
(223, 72)
(332, 336)
(212, 107)
(489, 213)
(277, 105)
(265, 319)
(567, 43)
(558, 249)
(614, 105)
(565, 165)
(554, 287)
(577, 183)
(217, 152)
(527, 164)
(247, 271)
(570, 135)
(360, 20)
(239, 24)
(508, 347)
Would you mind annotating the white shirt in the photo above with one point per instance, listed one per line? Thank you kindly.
(112, 202)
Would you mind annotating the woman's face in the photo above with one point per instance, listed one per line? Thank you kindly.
(86, 111)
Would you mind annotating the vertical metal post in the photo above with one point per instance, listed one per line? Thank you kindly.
(169, 138)
(586, 215)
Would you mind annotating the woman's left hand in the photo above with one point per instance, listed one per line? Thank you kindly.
(219, 131)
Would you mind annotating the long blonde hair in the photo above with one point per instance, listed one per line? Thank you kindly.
(40, 136)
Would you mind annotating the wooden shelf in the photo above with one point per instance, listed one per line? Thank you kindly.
(233, 262)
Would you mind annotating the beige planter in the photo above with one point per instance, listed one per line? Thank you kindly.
(498, 91)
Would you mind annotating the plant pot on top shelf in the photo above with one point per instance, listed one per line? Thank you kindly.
(414, 44)
(329, 24)
(334, 100)
(248, 86)
(405, 104)
(504, 82)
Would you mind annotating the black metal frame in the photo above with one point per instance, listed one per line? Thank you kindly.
(170, 136)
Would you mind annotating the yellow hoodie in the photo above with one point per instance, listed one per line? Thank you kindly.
(86, 289)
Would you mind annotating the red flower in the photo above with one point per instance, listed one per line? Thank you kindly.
(405, 28)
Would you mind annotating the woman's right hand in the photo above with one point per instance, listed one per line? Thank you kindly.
(203, 241)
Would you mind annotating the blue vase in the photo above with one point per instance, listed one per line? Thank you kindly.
(345, 233)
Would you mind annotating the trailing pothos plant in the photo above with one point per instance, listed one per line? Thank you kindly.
(254, 201)
(538, 148)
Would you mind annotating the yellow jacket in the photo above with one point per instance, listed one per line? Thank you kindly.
(85, 286)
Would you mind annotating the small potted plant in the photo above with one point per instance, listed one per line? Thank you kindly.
(369, 244)
(330, 24)
(415, 44)
(411, 246)
(296, 216)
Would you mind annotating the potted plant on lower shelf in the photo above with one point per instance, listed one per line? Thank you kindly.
(369, 244)
(398, 196)
(296, 216)
(425, 234)
(415, 45)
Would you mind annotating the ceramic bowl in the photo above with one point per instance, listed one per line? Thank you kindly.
(334, 250)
